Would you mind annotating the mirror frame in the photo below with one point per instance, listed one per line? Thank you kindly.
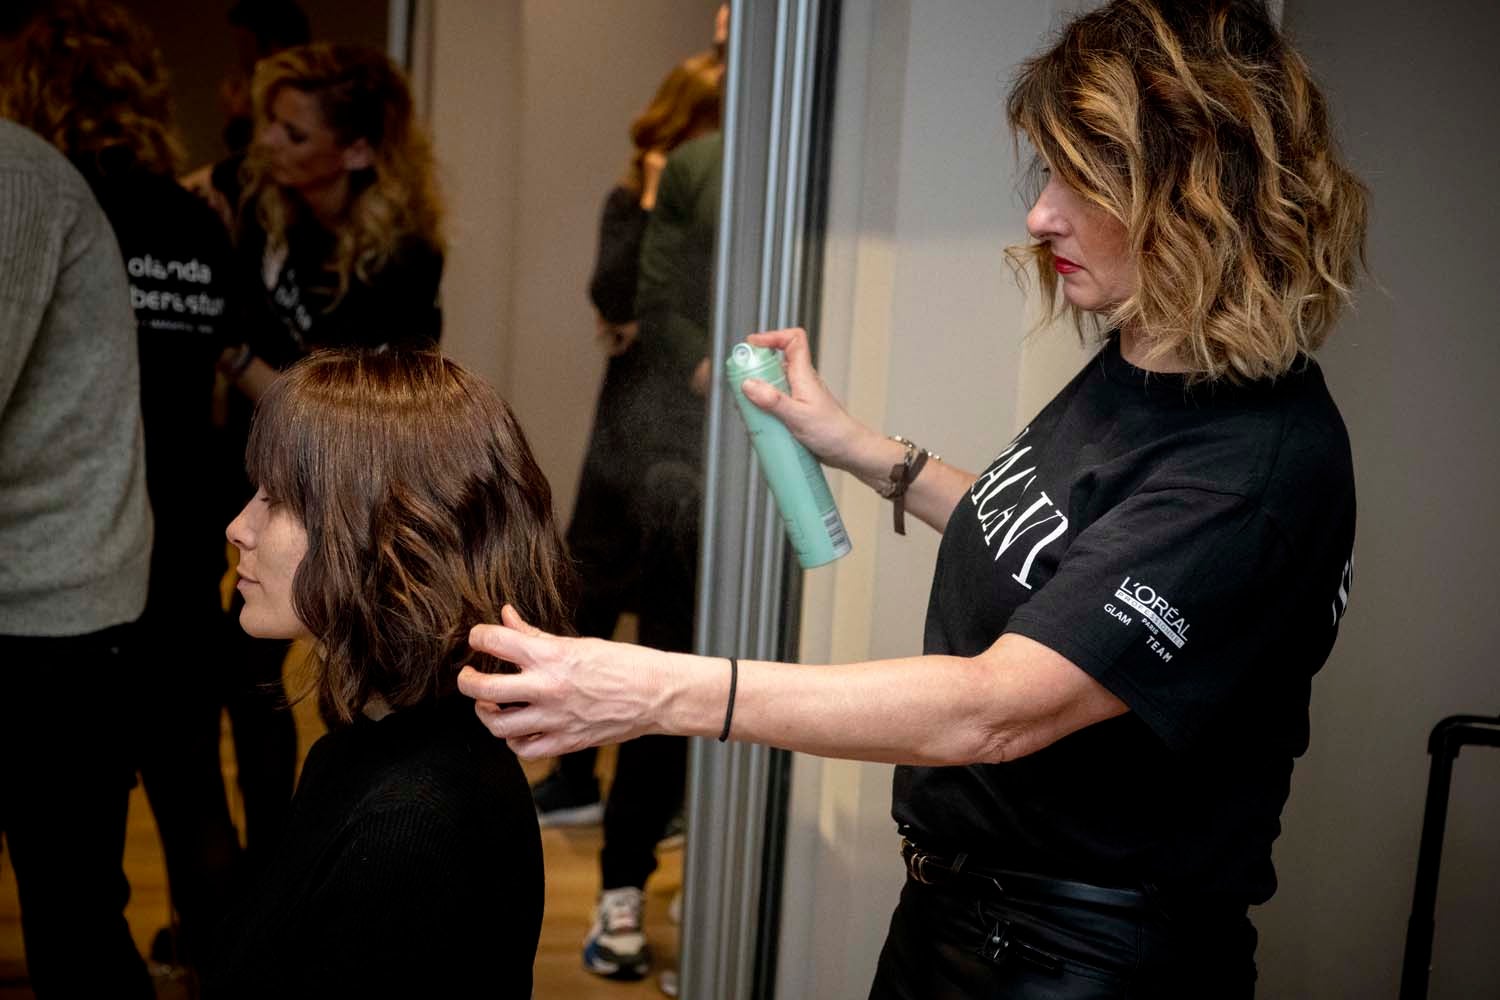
(777, 108)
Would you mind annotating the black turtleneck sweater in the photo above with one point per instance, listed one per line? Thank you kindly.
(411, 866)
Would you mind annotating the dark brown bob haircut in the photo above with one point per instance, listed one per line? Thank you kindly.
(1197, 126)
(425, 513)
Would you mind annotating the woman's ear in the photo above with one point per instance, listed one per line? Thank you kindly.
(358, 156)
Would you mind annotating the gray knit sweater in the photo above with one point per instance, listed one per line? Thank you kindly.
(75, 527)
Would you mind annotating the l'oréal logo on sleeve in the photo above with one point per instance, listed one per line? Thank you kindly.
(1155, 610)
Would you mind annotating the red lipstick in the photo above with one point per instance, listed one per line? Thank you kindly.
(1064, 265)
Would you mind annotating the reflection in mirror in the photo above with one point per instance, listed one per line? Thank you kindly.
(322, 218)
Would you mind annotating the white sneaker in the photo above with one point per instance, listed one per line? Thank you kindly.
(616, 946)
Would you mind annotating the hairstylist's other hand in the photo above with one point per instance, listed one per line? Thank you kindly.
(812, 413)
(570, 693)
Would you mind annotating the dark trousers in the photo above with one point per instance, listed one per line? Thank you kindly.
(65, 779)
(948, 943)
(179, 666)
(636, 546)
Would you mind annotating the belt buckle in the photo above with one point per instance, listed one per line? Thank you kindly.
(916, 862)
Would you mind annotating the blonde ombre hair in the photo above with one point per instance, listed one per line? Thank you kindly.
(1198, 127)
(362, 95)
(89, 79)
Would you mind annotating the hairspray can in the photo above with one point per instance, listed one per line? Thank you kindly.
(796, 479)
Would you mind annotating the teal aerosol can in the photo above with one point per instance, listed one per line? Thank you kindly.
(796, 479)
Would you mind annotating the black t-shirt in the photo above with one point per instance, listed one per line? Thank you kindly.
(294, 308)
(1187, 546)
(411, 866)
(179, 263)
(301, 308)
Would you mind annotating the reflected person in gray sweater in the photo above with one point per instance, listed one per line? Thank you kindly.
(75, 542)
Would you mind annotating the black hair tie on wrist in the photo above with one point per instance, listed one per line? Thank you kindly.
(734, 680)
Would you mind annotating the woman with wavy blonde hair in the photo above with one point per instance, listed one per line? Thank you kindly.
(339, 218)
(397, 503)
(1130, 602)
(1206, 141)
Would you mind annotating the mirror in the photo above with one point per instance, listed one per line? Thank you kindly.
(530, 106)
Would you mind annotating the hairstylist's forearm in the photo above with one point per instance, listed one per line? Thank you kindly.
(1011, 700)
(876, 711)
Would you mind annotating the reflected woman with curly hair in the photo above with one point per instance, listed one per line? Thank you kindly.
(88, 78)
(1130, 602)
(339, 218)
(397, 504)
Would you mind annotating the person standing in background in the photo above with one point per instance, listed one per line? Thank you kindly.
(75, 549)
(674, 298)
(90, 79)
(606, 534)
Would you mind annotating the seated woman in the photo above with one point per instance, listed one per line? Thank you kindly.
(398, 504)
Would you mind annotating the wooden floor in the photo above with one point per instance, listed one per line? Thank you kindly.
(572, 858)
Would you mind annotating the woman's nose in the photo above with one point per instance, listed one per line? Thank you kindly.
(1044, 221)
(238, 532)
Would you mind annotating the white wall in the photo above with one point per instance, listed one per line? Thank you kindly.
(531, 103)
(468, 77)
(923, 334)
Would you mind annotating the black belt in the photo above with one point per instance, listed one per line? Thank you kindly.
(934, 869)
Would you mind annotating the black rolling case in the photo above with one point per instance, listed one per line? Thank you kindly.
(1447, 739)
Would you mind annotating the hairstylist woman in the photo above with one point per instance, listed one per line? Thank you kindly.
(1130, 602)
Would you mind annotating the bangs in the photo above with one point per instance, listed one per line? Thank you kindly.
(282, 453)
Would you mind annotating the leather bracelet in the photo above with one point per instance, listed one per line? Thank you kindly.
(902, 476)
(734, 679)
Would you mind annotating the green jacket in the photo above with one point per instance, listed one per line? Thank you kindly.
(674, 298)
